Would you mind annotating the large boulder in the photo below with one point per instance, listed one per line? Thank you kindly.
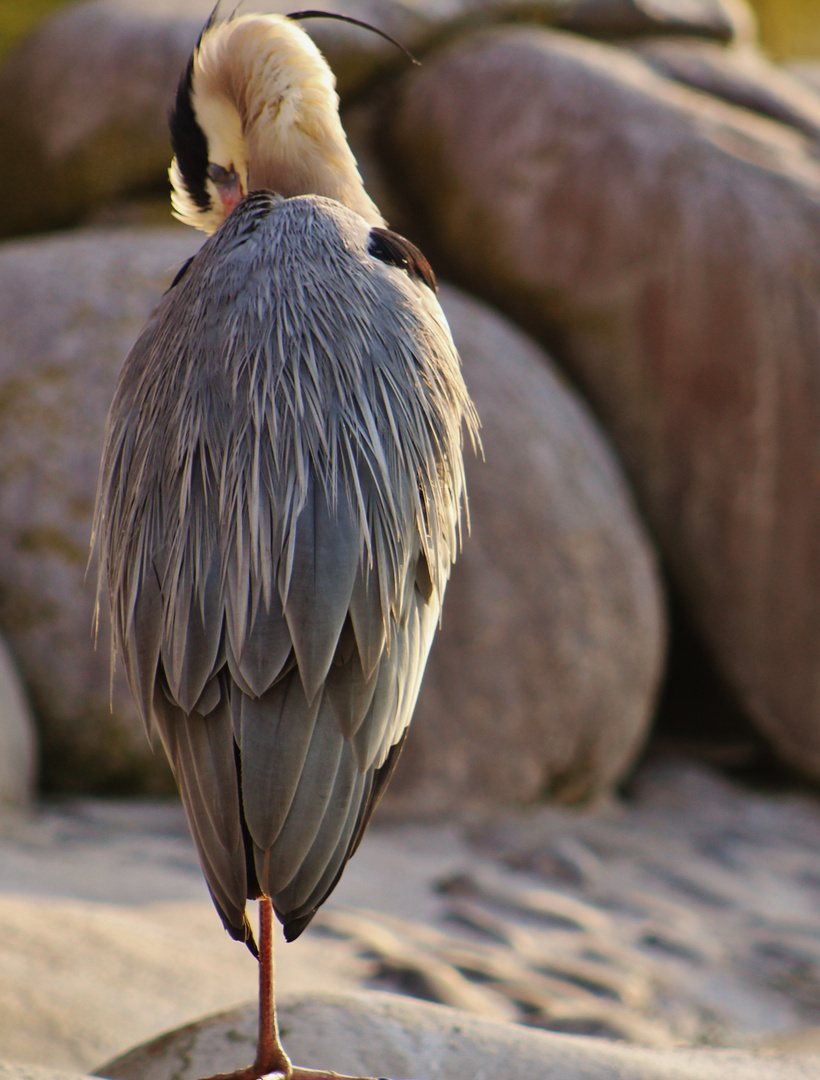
(15, 1070)
(544, 677)
(71, 307)
(806, 72)
(712, 20)
(370, 1034)
(668, 244)
(740, 75)
(83, 100)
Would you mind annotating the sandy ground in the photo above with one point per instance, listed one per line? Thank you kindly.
(108, 935)
(690, 915)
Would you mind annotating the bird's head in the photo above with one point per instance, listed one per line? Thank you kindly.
(257, 109)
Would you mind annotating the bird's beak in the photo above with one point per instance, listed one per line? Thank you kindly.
(230, 194)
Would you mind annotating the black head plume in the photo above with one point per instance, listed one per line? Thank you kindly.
(299, 15)
(188, 139)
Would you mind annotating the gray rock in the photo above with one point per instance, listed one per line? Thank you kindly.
(807, 71)
(71, 307)
(18, 742)
(83, 101)
(542, 678)
(741, 76)
(12, 1070)
(83, 104)
(382, 1034)
(669, 244)
(715, 20)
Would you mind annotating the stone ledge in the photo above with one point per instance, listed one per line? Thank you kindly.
(383, 1034)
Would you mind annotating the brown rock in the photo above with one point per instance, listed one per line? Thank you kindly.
(83, 105)
(374, 1034)
(739, 75)
(716, 20)
(806, 71)
(70, 307)
(670, 245)
(542, 678)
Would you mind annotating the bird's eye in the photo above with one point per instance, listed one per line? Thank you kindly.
(220, 175)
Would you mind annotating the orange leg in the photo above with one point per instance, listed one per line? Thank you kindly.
(272, 1062)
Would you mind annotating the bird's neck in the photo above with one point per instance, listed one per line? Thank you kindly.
(284, 94)
(307, 156)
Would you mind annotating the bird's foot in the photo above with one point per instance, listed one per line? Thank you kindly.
(320, 1074)
(272, 1064)
(279, 1070)
(252, 1072)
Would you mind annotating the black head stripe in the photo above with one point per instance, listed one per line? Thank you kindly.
(395, 250)
(188, 140)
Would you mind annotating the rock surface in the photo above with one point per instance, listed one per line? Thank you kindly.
(71, 307)
(668, 245)
(554, 621)
(18, 738)
(83, 101)
(807, 72)
(83, 104)
(613, 19)
(741, 76)
(543, 675)
(10, 1070)
(378, 1035)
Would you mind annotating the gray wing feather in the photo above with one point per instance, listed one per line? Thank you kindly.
(210, 697)
(367, 618)
(374, 783)
(279, 862)
(276, 736)
(238, 678)
(332, 838)
(144, 636)
(421, 628)
(368, 739)
(200, 750)
(350, 693)
(327, 553)
(189, 653)
(178, 617)
(266, 648)
(241, 587)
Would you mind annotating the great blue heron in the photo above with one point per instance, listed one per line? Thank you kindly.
(281, 487)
